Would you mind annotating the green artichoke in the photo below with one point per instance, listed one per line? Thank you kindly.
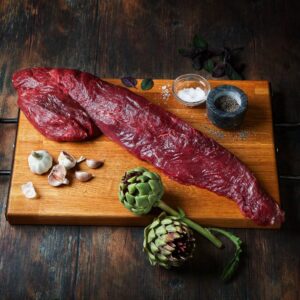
(168, 241)
(140, 189)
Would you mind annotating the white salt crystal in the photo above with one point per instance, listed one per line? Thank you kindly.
(165, 91)
(191, 94)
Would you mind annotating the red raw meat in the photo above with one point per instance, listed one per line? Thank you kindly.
(50, 111)
(161, 138)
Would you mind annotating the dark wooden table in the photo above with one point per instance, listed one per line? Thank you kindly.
(141, 38)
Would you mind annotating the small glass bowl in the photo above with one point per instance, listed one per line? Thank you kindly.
(188, 81)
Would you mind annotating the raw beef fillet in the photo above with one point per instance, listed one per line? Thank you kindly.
(159, 137)
(50, 111)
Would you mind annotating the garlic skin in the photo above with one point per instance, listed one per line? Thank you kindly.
(58, 175)
(83, 176)
(94, 164)
(81, 159)
(67, 160)
(29, 191)
(40, 161)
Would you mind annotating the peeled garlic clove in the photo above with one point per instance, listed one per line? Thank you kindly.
(67, 160)
(80, 159)
(28, 190)
(40, 161)
(83, 176)
(58, 175)
(94, 164)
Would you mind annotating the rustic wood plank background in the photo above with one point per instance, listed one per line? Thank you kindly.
(141, 38)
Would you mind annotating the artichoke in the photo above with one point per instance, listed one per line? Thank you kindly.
(140, 189)
(168, 241)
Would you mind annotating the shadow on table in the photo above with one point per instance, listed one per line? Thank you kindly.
(208, 262)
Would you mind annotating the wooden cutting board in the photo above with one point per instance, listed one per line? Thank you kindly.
(96, 202)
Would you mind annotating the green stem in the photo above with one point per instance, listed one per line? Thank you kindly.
(231, 267)
(235, 240)
(203, 231)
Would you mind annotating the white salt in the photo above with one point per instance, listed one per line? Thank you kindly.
(191, 94)
(165, 91)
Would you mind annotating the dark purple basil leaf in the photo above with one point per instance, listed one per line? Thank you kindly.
(129, 81)
(199, 42)
(198, 51)
(228, 53)
(219, 70)
(147, 84)
(211, 52)
(232, 73)
(198, 63)
(218, 61)
(208, 65)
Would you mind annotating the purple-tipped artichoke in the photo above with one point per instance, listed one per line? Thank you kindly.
(168, 241)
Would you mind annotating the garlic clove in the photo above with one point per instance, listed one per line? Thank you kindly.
(29, 191)
(40, 161)
(67, 160)
(94, 164)
(80, 159)
(83, 176)
(66, 181)
(58, 175)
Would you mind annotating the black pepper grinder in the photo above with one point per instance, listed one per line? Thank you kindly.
(226, 106)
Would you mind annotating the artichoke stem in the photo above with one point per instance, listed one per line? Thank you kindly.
(203, 231)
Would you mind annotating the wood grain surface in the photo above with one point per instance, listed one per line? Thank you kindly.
(140, 38)
(96, 202)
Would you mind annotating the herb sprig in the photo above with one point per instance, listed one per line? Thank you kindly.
(218, 62)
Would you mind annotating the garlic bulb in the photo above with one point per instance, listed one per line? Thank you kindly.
(28, 190)
(40, 161)
(67, 160)
(83, 176)
(58, 175)
(94, 164)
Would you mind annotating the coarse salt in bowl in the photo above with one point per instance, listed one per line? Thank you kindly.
(191, 89)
